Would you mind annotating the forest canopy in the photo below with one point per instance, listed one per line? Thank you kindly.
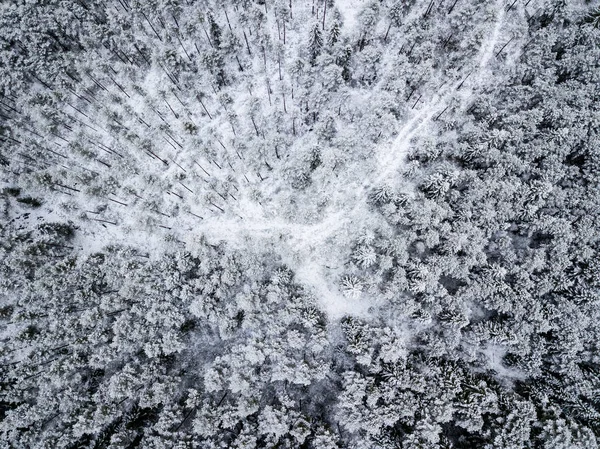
(300, 224)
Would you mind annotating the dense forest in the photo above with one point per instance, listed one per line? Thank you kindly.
(300, 224)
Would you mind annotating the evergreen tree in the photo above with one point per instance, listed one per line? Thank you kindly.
(315, 42)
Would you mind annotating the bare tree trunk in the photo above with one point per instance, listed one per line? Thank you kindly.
(387, 32)
(227, 17)
(247, 44)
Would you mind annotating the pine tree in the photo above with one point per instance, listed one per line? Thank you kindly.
(315, 42)
(215, 30)
(334, 34)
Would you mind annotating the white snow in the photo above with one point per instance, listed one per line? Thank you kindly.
(349, 10)
(486, 52)
(316, 248)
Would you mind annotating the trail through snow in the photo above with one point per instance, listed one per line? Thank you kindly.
(316, 251)
(389, 161)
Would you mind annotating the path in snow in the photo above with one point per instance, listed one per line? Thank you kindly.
(318, 250)
(389, 161)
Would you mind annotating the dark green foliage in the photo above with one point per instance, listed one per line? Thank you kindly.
(431, 174)
(33, 202)
(593, 17)
(215, 31)
(334, 34)
(12, 191)
(315, 42)
(61, 230)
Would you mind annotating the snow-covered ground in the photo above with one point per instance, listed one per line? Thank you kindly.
(315, 248)
(349, 10)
